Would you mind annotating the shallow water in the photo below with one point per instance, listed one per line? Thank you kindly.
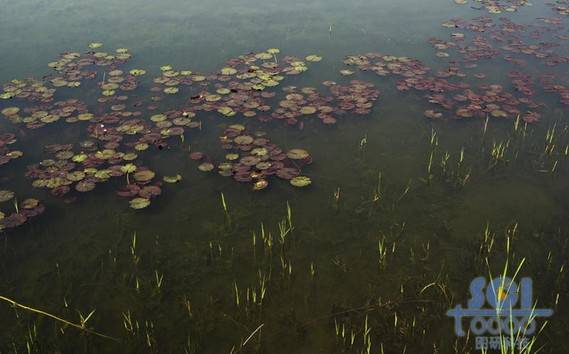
(176, 285)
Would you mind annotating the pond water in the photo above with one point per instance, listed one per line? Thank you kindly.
(432, 137)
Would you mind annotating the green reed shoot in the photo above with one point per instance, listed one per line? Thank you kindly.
(377, 191)
(485, 127)
(135, 258)
(382, 252)
(159, 278)
(363, 143)
(225, 209)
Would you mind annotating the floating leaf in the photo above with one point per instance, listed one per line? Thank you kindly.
(144, 175)
(297, 154)
(226, 111)
(308, 110)
(228, 71)
(29, 203)
(313, 58)
(300, 181)
(158, 118)
(85, 186)
(75, 176)
(10, 111)
(139, 203)
(137, 72)
(6, 195)
(128, 168)
(260, 184)
(171, 90)
(172, 179)
(206, 167)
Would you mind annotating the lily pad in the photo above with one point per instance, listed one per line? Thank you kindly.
(228, 71)
(139, 203)
(313, 58)
(6, 195)
(144, 175)
(128, 168)
(243, 139)
(206, 167)
(297, 154)
(301, 181)
(226, 111)
(172, 179)
(10, 111)
(137, 72)
(171, 90)
(29, 203)
(85, 186)
(260, 184)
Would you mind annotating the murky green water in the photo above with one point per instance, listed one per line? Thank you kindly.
(374, 252)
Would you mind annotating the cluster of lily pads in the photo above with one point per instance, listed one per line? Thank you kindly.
(357, 97)
(503, 38)
(34, 117)
(495, 6)
(488, 39)
(21, 213)
(465, 101)
(508, 40)
(120, 132)
(28, 89)
(81, 172)
(252, 158)
(241, 87)
(7, 155)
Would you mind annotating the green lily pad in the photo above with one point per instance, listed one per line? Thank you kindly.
(226, 111)
(260, 184)
(158, 118)
(10, 111)
(144, 175)
(313, 58)
(206, 167)
(79, 158)
(137, 72)
(228, 71)
(139, 203)
(141, 146)
(6, 195)
(172, 179)
(297, 154)
(171, 90)
(300, 181)
(29, 203)
(128, 168)
(105, 154)
(75, 176)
